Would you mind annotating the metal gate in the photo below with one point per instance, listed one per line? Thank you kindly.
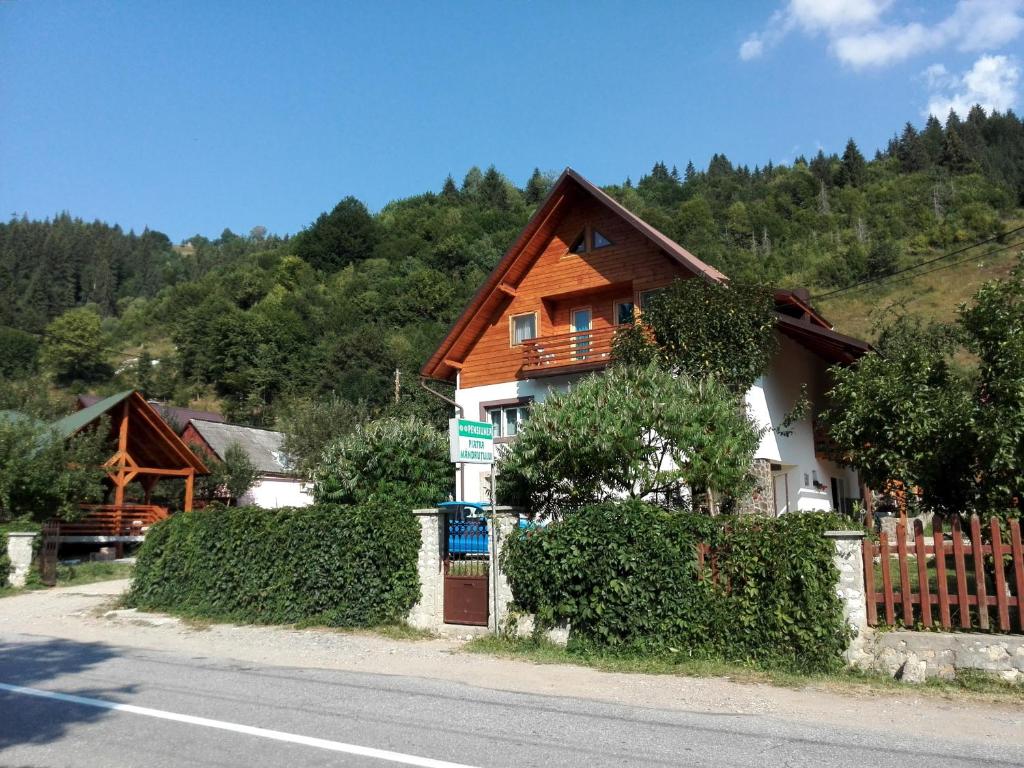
(466, 568)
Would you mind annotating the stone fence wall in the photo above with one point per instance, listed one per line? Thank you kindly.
(19, 550)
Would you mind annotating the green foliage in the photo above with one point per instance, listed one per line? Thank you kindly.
(43, 476)
(75, 347)
(391, 460)
(705, 330)
(5, 562)
(311, 425)
(327, 564)
(228, 479)
(633, 432)
(20, 352)
(625, 576)
(345, 235)
(905, 412)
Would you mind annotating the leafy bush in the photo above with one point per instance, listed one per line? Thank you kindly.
(393, 460)
(626, 577)
(629, 433)
(5, 561)
(325, 564)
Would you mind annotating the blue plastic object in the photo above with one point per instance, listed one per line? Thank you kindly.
(467, 528)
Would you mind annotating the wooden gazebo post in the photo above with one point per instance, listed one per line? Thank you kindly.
(189, 482)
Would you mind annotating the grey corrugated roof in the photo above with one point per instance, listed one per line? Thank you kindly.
(262, 446)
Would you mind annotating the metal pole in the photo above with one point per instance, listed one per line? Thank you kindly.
(494, 551)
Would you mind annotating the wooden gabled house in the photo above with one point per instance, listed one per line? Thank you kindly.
(547, 314)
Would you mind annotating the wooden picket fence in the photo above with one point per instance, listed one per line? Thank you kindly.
(947, 580)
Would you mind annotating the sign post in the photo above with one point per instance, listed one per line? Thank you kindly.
(472, 442)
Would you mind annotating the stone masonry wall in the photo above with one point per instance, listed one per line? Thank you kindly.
(428, 613)
(19, 550)
(760, 500)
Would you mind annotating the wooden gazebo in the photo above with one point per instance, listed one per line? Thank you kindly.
(148, 449)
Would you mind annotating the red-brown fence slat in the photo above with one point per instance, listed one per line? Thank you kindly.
(870, 594)
(922, 574)
(1002, 607)
(890, 608)
(961, 574)
(906, 598)
(939, 545)
(1017, 550)
(979, 572)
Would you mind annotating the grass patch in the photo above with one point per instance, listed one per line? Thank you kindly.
(968, 685)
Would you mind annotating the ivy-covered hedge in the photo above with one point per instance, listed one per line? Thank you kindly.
(326, 564)
(5, 561)
(626, 578)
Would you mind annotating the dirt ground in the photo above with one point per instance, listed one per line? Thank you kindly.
(85, 614)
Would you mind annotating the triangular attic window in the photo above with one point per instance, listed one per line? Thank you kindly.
(600, 241)
(579, 245)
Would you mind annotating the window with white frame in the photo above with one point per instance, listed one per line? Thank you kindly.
(507, 420)
(523, 328)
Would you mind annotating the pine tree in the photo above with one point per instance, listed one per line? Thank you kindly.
(932, 138)
(449, 191)
(954, 155)
(910, 150)
(537, 187)
(852, 167)
(690, 173)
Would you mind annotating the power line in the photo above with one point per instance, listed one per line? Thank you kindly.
(1018, 244)
(924, 263)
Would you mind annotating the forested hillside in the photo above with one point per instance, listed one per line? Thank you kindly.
(257, 323)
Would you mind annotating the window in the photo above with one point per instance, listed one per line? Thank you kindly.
(523, 327)
(599, 241)
(579, 245)
(507, 420)
(646, 296)
(623, 312)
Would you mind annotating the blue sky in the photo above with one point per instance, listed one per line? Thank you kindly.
(189, 117)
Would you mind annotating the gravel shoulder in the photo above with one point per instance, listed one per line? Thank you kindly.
(86, 614)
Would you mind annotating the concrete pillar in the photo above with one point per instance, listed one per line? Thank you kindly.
(19, 550)
(849, 561)
(428, 613)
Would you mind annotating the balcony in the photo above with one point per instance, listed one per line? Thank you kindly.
(566, 353)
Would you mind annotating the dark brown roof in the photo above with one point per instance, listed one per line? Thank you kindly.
(569, 184)
(177, 417)
(824, 342)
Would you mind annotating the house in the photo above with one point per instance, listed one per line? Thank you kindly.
(278, 485)
(548, 312)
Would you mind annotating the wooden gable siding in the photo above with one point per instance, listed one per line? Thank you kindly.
(558, 282)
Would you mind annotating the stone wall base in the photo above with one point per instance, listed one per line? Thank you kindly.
(19, 550)
(915, 656)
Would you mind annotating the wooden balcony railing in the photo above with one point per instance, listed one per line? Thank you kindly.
(112, 520)
(568, 352)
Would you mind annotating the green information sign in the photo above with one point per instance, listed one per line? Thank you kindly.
(472, 442)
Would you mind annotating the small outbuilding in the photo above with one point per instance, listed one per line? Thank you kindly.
(278, 485)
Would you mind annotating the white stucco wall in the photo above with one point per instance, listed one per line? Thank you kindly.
(274, 492)
(769, 401)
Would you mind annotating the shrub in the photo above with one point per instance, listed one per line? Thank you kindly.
(626, 577)
(394, 460)
(5, 561)
(325, 564)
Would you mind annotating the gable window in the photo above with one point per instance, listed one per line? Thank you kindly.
(623, 312)
(506, 417)
(522, 328)
(598, 241)
(579, 245)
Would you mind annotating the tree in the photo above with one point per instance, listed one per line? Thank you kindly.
(42, 475)
(705, 330)
(639, 433)
(397, 461)
(20, 352)
(954, 155)
(75, 347)
(852, 167)
(310, 425)
(344, 236)
(537, 187)
(910, 150)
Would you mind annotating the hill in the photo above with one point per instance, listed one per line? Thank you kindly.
(258, 323)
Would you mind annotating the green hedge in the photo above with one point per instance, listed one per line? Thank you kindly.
(326, 564)
(5, 561)
(625, 576)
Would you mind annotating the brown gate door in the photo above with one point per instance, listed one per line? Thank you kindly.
(466, 569)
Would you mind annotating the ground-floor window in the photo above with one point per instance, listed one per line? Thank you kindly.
(507, 419)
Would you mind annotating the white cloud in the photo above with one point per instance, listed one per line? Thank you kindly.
(992, 82)
(859, 38)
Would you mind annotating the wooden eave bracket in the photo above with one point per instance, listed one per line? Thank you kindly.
(508, 290)
(453, 364)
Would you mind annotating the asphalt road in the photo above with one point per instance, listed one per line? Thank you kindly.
(64, 703)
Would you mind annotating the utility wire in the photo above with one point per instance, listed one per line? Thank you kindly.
(1018, 244)
(924, 263)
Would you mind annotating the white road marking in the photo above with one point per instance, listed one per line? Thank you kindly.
(248, 730)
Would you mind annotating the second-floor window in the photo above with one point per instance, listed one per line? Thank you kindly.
(523, 328)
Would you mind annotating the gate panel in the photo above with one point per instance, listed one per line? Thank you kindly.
(466, 570)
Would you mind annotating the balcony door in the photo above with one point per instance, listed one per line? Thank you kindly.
(581, 320)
